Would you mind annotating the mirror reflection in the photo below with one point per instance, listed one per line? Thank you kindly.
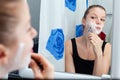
(65, 31)
(89, 53)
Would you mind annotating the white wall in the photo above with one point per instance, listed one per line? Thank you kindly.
(115, 69)
(34, 6)
(108, 4)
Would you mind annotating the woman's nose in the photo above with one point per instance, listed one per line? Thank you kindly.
(98, 21)
(33, 33)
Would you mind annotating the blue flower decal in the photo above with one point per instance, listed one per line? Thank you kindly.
(55, 44)
(71, 4)
(79, 30)
(86, 3)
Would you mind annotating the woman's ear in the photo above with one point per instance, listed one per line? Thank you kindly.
(3, 55)
(83, 21)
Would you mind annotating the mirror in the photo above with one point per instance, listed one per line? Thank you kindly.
(107, 29)
(53, 18)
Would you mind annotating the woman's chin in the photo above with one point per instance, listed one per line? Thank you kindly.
(26, 62)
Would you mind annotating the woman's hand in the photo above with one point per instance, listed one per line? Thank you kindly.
(47, 72)
(96, 42)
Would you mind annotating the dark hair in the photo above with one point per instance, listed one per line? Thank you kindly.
(90, 7)
(8, 20)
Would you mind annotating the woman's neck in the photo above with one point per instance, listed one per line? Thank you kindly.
(86, 43)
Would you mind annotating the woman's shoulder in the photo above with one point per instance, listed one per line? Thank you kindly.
(107, 48)
(68, 47)
(68, 42)
(107, 43)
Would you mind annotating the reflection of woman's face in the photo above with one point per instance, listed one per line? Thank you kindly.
(96, 18)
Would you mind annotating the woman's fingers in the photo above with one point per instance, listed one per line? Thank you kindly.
(48, 69)
(36, 69)
(42, 60)
(94, 38)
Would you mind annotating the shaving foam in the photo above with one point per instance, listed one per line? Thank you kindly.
(92, 27)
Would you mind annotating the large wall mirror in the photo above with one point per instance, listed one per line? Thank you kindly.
(58, 21)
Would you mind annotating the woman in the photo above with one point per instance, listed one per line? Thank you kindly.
(89, 54)
(16, 41)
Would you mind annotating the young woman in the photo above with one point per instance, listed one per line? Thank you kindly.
(16, 40)
(88, 54)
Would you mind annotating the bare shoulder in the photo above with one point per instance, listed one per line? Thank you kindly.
(68, 43)
(108, 46)
(68, 47)
(107, 49)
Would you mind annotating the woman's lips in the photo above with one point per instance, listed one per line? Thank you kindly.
(98, 28)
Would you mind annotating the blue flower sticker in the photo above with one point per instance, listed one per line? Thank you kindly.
(55, 44)
(86, 3)
(71, 4)
(79, 30)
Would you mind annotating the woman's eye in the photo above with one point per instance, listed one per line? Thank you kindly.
(103, 20)
(93, 17)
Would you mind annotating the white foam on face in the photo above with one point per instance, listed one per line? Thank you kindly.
(25, 71)
(19, 52)
(19, 61)
(92, 27)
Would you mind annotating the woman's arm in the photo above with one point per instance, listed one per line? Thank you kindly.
(69, 65)
(102, 60)
(102, 63)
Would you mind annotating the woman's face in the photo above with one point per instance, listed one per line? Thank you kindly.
(95, 20)
(24, 33)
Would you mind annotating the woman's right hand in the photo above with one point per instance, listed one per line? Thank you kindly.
(48, 69)
(97, 43)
